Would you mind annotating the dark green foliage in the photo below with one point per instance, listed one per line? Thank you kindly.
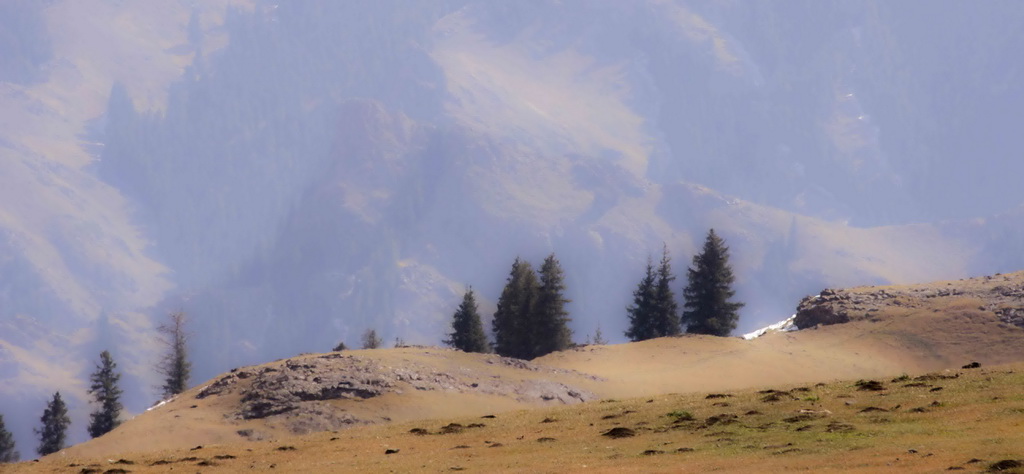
(549, 321)
(175, 366)
(371, 340)
(654, 312)
(531, 319)
(666, 310)
(467, 330)
(641, 325)
(511, 323)
(107, 394)
(55, 425)
(7, 451)
(340, 347)
(708, 309)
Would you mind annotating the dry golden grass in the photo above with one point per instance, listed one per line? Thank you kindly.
(968, 419)
(817, 418)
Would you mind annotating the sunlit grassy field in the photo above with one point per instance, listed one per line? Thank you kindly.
(969, 419)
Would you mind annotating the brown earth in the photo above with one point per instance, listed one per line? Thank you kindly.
(283, 402)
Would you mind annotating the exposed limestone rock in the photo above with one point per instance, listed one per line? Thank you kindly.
(1001, 295)
(297, 391)
(824, 309)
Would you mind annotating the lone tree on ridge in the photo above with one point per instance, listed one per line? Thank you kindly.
(708, 309)
(371, 340)
(175, 366)
(55, 425)
(467, 331)
(107, 394)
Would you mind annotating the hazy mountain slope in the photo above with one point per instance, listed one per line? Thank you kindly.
(75, 272)
(291, 174)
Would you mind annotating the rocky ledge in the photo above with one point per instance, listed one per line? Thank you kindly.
(1003, 295)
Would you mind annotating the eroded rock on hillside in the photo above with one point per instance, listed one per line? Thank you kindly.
(1000, 295)
(824, 309)
(300, 391)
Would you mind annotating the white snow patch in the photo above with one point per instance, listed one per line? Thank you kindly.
(160, 404)
(785, 325)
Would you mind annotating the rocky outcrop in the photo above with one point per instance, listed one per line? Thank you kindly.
(297, 391)
(824, 309)
(1001, 295)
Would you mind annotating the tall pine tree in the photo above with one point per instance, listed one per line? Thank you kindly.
(666, 310)
(55, 425)
(550, 321)
(641, 312)
(8, 453)
(708, 309)
(467, 331)
(107, 395)
(175, 366)
(511, 324)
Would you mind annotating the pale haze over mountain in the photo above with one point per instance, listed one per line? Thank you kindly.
(291, 174)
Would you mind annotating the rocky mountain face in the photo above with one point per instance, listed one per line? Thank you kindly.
(291, 174)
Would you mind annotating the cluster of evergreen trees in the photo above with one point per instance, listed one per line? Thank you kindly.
(531, 319)
(708, 307)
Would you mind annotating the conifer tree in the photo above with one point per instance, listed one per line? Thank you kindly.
(107, 394)
(467, 331)
(175, 366)
(666, 310)
(55, 424)
(550, 321)
(8, 453)
(371, 340)
(708, 309)
(641, 312)
(511, 323)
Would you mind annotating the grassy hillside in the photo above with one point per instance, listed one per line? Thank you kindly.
(969, 419)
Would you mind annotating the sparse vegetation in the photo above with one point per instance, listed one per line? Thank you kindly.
(598, 338)
(708, 293)
(371, 340)
(55, 422)
(8, 451)
(175, 365)
(837, 432)
(340, 347)
(107, 394)
(680, 415)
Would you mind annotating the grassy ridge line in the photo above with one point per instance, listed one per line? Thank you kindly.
(970, 419)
